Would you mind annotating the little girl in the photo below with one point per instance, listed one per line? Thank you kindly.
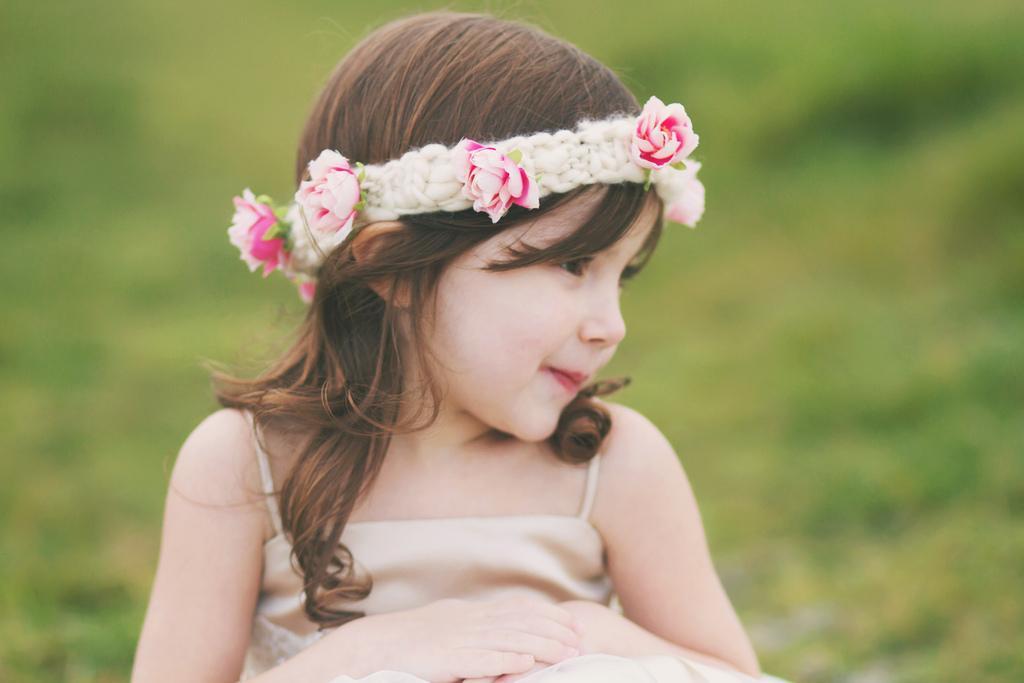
(427, 486)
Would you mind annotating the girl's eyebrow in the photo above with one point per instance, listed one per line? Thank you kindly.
(638, 252)
(543, 239)
(635, 257)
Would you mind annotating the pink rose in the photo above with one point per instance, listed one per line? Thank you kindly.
(492, 180)
(330, 197)
(663, 135)
(250, 223)
(306, 290)
(689, 205)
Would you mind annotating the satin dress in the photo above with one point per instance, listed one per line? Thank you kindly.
(417, 561)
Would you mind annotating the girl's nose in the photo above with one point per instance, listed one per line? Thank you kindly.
(605, 323)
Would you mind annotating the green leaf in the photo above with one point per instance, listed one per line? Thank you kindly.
(679, 166)
(272, 232)
(515, 155)
(264, 199)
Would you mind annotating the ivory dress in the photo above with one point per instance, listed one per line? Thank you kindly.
(417, 561)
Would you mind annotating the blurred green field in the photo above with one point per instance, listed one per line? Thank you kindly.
(836, 352)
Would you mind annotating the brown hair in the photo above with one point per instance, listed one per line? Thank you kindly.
(433, 77)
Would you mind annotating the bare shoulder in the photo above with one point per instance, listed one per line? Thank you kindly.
(217, 464)
(635, 446)
(658, 556)
(637, 458)
(208, 574)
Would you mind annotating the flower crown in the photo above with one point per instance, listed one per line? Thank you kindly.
(338, 198)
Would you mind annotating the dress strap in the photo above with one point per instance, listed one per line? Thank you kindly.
(265, 475)
(588, 495)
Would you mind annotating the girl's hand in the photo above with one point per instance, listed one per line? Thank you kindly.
(588, 620)
(595, 623)
(453, 639)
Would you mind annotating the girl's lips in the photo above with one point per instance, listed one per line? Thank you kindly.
(565, 380)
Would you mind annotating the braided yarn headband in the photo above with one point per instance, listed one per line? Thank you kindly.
(339, 198)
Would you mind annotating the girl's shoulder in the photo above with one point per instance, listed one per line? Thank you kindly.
(635, 455)
(208, 574)
(632, 436)
(658, 555)
(217, 465)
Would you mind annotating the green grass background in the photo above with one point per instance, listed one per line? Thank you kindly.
(836, 352)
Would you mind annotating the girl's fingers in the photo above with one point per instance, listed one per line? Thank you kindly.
(541, 647)
(555, 612)
(549, 610)
(541, 626)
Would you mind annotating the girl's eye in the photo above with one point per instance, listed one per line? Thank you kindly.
(626, 276)
(576, 271)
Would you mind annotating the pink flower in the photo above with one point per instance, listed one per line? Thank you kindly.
(492, 180)
(306, 290)
(663, 135)
(689, 205)
(251, 221)
(330, 198)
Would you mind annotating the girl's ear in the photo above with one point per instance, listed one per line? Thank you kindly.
(366, 245)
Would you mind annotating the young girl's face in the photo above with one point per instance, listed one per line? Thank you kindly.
(497, 334)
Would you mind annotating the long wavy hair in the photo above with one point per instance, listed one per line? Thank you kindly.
(426, 78)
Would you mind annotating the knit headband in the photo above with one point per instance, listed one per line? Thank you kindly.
(338, 198)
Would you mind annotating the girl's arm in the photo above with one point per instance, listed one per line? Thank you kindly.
(334, 655)
(608, 632)
(201, 606)
(605, 631)
(658, 555)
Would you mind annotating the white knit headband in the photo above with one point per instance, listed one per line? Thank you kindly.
(338, 199)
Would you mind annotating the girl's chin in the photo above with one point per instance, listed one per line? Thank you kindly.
(539, 423)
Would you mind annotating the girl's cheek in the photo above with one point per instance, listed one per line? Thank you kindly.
(530, 339)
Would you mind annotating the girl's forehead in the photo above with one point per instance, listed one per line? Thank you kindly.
(567, 218)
